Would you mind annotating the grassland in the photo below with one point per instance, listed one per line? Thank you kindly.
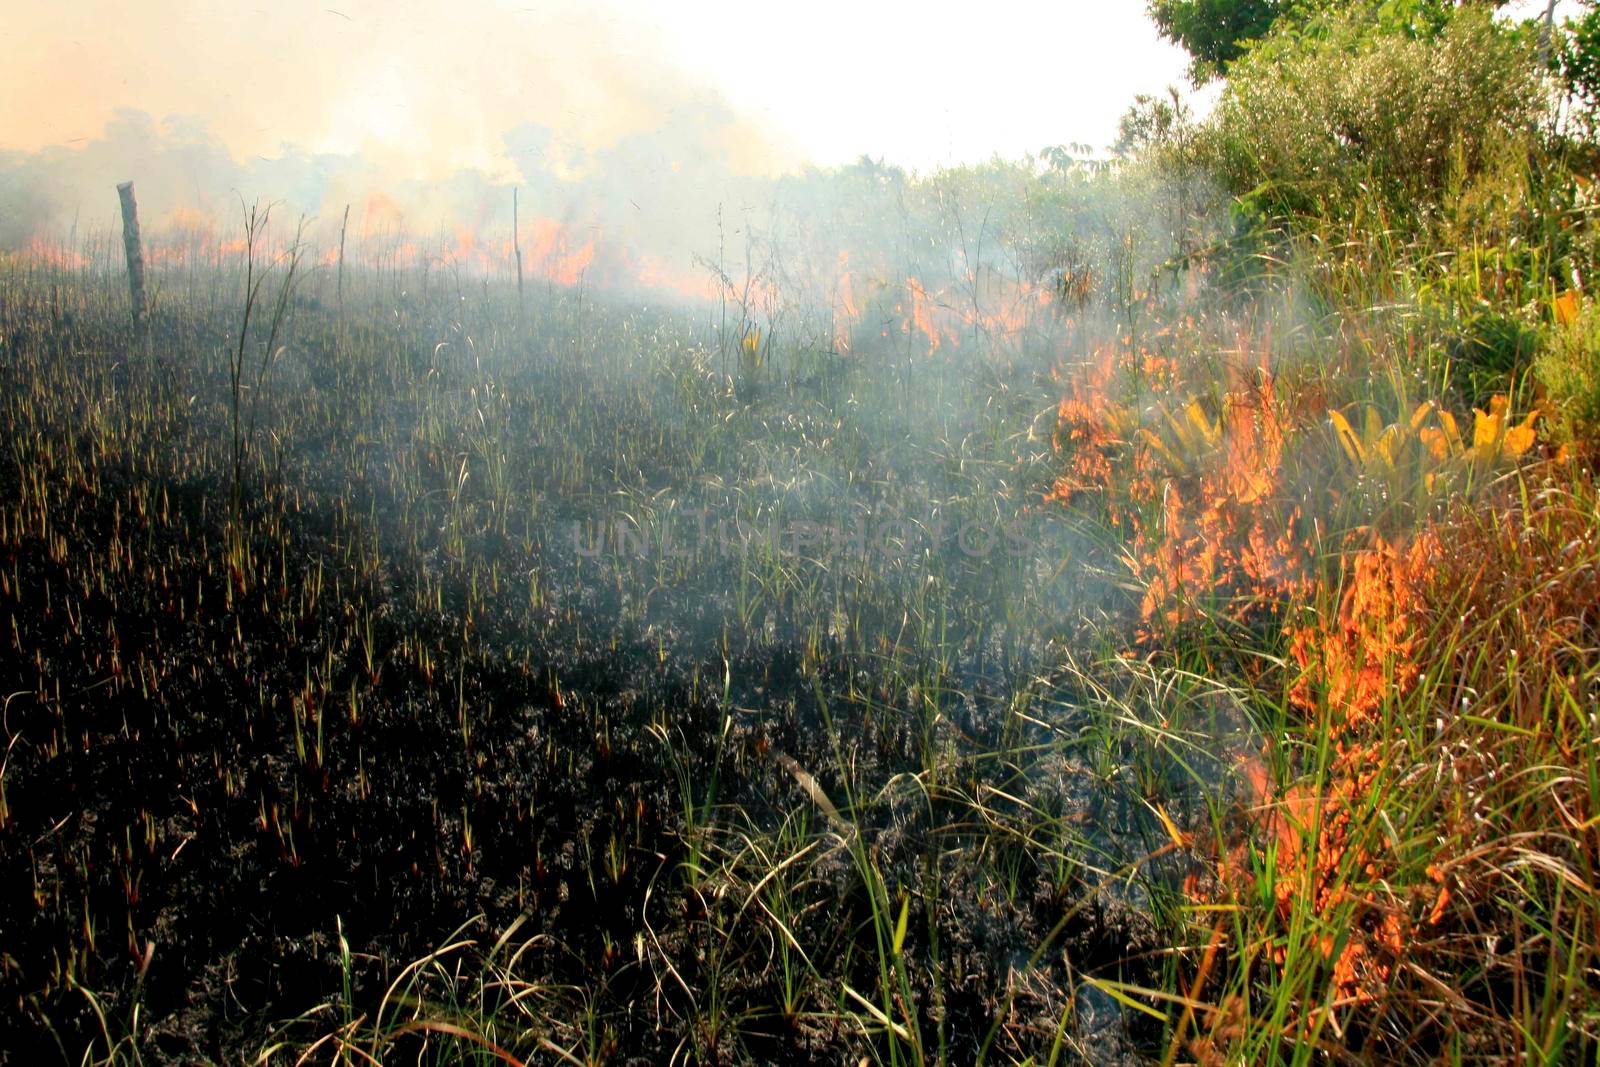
(1157, 623)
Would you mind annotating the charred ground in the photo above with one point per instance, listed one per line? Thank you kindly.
(372, 708)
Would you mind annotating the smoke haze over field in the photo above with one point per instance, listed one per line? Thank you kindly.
(437, 85)
(421, 121)
(640, 120)
(427, 89)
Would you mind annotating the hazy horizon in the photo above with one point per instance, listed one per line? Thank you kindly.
(431, 90)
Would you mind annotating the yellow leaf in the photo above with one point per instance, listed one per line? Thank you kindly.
(1175, 835)
(1492, 438)
(1209, 432)
(1565, 307)
(1374, 426)
(1154, 440)
(1115, 991)
(1518, 440)
(1520, 437)
(1435, 441)
(1347, 437)
(900, 926)
(1386, 443)
(1452, 432)
(1486, 428)
(1421, 413)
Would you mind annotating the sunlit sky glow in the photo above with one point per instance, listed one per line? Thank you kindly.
(644, 117)
(929, 83)
(437, 85)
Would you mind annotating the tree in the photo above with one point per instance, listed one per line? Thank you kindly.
(1350, 112)
(1577, 60)
(1214, 32)
(1153, 121)
(1217, 32)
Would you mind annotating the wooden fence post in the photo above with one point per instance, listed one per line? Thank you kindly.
(342, 227)
(516, 246)
(339, 336)
(130, 244)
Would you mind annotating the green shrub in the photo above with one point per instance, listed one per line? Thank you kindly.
(1498, 345)
(1578, 61)
(1317, 121)
(1569, 368)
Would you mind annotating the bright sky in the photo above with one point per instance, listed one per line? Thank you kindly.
(437, 84)
(425, 88)
(931, 82)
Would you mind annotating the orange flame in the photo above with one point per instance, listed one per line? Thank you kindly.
(49, 254)
(922, 312)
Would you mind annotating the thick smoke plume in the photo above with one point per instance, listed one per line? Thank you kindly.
(417, 123)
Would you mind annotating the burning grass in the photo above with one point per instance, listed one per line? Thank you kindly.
(1437, 861)
(1446, 636)
(1076, 652)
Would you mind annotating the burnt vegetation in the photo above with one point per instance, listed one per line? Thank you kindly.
(1125, 611)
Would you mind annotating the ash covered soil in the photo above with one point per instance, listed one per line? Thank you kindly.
(259, 761)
